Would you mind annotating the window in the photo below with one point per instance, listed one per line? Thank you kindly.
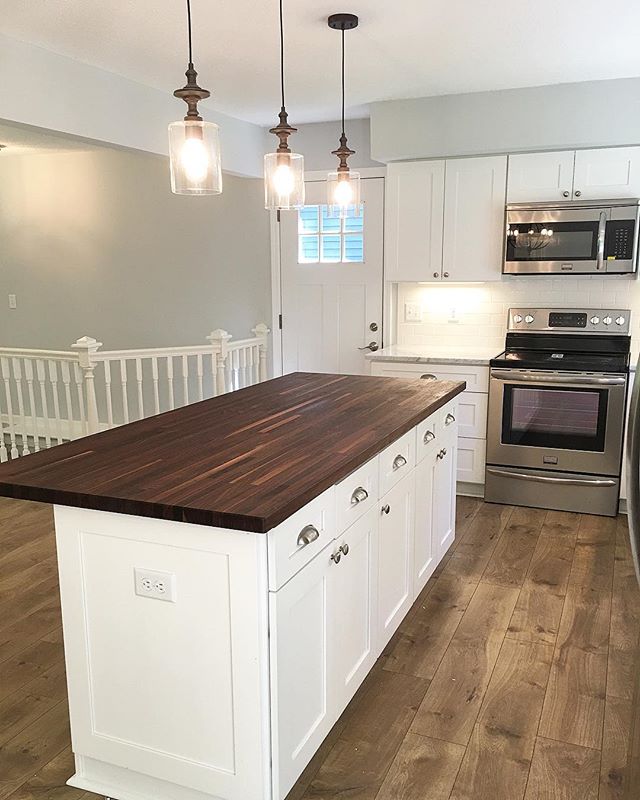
(329, 240)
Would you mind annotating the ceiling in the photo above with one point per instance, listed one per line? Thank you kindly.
(411, 48)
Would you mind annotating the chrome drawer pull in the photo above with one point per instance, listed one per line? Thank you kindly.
(399, 461)
(449, 419)
(345, 549)
(335, 557)
(359, 495)
(428, 437)
(428, 376)
(386, 509)
(307, 535)
(442, 453)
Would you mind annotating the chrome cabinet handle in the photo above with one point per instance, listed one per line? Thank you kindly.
(307, 535)
(442, 453)
(436, 274)
(449, 419)
(359, 495)
(428, 437)
(345, 549)
(373, 346)
(399, 461)
(578, 193)
(335, 557)
(602, 227)
(428, 376)
(566, 193)
(386, 508)
(445, 274)
(532, 377)
(519, 476)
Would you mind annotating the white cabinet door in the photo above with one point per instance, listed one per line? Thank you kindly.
(607, 173)
(425, 549)
(352, 607)
(471, 457)
(302, 713)
(475, 190)
(395, 557)
(444, 522)
(540, 177)
(413, 215)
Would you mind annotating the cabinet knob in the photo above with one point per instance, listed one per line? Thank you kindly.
(386, 508)
(566, 193)
(335, 557)
(359, 495)
(345, 549)
(428, 437)
(449, 419)
(399, 461)
(307, 535)
(445, 274)
(442, 453)
(578, 193)
(436, 274)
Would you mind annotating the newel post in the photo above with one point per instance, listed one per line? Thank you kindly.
(219, 342)
(261, 331)
(87, 348)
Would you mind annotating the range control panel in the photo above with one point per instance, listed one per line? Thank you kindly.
(570, 320)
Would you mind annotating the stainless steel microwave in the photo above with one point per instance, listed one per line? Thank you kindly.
(589, 238)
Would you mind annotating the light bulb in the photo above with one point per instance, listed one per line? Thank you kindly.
(283, 180)
(194, 159)
(343, 194)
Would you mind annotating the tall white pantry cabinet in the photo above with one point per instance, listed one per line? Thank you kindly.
(226, 693)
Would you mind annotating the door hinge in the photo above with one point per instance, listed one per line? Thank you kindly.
(280, 321)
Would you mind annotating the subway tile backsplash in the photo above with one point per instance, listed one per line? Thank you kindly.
(473, 316)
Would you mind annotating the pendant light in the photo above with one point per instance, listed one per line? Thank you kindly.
(194, 145)
(343, 185)
(283, 170)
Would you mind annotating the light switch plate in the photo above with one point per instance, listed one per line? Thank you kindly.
(412, 312)
(155, 585)
(13, 301)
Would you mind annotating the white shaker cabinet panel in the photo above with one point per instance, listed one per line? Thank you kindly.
(425, 547)
(471, 459)
(607, 173)
(475, 190)
(444, 513)
(413, 227)
(541, 177)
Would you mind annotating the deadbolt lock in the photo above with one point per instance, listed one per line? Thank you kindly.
(373, 326)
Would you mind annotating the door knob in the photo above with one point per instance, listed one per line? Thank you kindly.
(373, 346)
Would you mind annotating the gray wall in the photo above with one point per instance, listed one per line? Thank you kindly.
(95, 243)
(316, 141)
(564, 116)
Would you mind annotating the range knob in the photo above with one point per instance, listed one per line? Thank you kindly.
(594, 320)
(620, 320)
(517, 318)
(607, 320)
(528, 319)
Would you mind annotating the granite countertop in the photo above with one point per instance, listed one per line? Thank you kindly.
(246, 460)
(433, 355)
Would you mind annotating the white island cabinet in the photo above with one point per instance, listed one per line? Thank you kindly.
(209, 663)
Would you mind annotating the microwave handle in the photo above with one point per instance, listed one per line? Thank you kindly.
(602, 226)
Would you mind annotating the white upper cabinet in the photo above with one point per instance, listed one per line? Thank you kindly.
(574, 175)
(541, 177)
(474, 199)
(607, 174)
(413, 230)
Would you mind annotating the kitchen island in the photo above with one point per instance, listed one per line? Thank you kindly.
(230, 571)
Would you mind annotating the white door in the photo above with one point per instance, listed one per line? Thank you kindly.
(331, 283)
(413, 219)
(474, 199)
(607, 173)
(425, 549)
(395, 557)
(444, 520)
(541, 177)
(352, 601)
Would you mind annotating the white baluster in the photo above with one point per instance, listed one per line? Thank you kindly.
(53, 378)
(86, 348)
(108, 389)
(140, 393)
(66, 381)
(219, 342)
(33, 416)
(6, 379)
(200, 374)
(172, 403)
(17, 376)
(261, 331)
(123, 385)
(185, 380)
(156, 391)
(77, 374)
(235, 366)
(243, 366)
(41, 375)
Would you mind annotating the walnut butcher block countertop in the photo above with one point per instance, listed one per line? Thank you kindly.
(245, 460)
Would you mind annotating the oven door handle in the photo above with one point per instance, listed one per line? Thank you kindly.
(602, 226)
(521, 476)
(531, 377)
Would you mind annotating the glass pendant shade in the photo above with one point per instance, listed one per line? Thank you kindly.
(194, 152)
(283, 181)
(343, 194)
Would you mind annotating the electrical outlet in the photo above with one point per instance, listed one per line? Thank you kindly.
(412, 312)
(13, 301)
(157, 585)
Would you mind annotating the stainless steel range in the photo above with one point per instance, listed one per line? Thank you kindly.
(557, 400)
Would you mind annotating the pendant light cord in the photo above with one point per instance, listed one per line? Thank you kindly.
(281, 55)
(189, 28)
(343, 81)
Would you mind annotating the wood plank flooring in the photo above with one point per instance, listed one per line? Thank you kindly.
(510, 679)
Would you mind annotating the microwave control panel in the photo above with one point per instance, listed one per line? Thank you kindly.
(618, 239)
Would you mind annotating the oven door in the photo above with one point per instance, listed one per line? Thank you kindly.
(542, 240)
(557, 421)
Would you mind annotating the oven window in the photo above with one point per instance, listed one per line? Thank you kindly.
(552, 241)
(568, 419)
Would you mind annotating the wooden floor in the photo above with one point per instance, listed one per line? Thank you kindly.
(510, 679)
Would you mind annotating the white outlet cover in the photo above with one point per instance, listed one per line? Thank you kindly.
(412, 312)
(154, 584)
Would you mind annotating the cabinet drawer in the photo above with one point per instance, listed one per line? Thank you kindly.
(294, 542)
(356, 494)
(471, 460)
(397, 461)
(472, 415)
(476, 377)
